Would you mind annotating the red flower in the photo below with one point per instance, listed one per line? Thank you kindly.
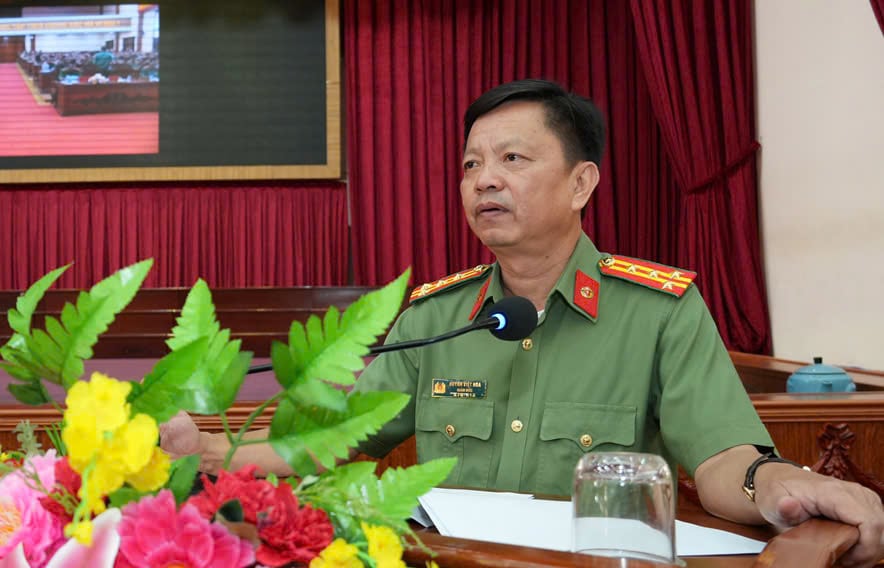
(69, 481)
(289, 533)
(253, 494)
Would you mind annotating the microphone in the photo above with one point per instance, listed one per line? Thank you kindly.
(511, 319)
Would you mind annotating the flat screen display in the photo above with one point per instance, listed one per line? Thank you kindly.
(164, 87)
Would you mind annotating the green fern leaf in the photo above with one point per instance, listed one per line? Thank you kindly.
(15, 351)
(158, 394)
(298, 432)
(398, 489)
(213, 368)
(58, 354)
(352, 493)
(20, 316)
(331, 349)
(197, 317)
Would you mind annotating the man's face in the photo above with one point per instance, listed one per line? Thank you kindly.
(518, 191)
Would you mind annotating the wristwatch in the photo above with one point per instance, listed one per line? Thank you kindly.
(769, 457)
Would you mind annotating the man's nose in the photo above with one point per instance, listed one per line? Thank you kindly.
(489, 178)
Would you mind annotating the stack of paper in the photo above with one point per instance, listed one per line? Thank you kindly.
(520, 519)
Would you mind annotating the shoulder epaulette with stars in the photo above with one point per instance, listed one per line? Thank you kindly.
(449, 282)
(660, 277)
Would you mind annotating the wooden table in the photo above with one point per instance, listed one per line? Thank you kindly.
(813, 545)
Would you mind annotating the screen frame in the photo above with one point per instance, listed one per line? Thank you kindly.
(331, 169)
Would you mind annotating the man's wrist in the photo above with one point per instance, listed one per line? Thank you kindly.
(761, 470)
(213, 448)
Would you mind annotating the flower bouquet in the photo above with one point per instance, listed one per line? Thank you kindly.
(107, 495)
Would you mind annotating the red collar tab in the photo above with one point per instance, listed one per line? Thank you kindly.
(480, 299)
(659, 277)
(450, 281)
(586, 294)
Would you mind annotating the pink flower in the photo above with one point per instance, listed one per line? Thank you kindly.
(105, 544)
(23, 519)
(153, 533)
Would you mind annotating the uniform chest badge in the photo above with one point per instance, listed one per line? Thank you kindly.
(458, 388)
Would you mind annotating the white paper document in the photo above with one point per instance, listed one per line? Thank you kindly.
(521, 520)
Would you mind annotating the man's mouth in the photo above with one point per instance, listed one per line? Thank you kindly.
(490, 209)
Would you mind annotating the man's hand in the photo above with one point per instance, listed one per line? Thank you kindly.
(786, 496)
(180, 437)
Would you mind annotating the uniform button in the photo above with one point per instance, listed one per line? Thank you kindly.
(516, 426)
(586, 440)
(527, 344)
(449, 430)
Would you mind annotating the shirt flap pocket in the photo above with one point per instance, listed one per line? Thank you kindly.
(456, 418)
(588, 425)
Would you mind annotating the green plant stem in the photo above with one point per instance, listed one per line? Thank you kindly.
(226, 427)
(237, 440)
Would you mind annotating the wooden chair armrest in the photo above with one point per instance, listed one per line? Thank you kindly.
(816, 543)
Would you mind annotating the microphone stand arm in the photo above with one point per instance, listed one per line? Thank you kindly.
(487, 324)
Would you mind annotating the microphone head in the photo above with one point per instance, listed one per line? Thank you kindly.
(516, 317)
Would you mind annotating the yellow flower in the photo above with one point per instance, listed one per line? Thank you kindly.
(339, 554)
(108, 448)
(384, 546)
(81, 531)
(432, 564)
(132, 444)
(154, 474)
(103, 398)
(81, 437)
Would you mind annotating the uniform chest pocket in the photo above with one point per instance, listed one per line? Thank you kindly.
(459, 428)
(570, 429)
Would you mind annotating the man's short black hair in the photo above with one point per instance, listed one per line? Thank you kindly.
(575, 120)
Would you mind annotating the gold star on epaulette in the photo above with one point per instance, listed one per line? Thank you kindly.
(448, 282)
(649, 274)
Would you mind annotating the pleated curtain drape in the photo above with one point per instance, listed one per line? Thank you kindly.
(878, 8)
(697, 60)
(412, 68)
(231, 235)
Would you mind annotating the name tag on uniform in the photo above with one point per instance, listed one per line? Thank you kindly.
(459, 388)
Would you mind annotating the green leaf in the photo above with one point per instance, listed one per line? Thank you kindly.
(125, 495)
(399, 489)
(332, 349)
(20, 317)
(221, 393)
(182, 473)
(197, 317)
(57, 354)
(319, 393)
(214, 381)
(32, 394)
(159, 395)
(352, 493)
(297, 433)
(231, 511)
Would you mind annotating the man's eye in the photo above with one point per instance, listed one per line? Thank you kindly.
(511, 157)
(469, 164)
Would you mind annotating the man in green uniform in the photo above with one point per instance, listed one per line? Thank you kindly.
(625, 356)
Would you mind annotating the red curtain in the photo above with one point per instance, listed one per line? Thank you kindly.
(413, 67)
(878, 8)
(230, 235)
(697, 58)
(412, 70)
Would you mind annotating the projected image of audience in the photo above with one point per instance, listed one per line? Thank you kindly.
(79, 80)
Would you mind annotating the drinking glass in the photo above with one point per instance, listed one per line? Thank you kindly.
(624, 506)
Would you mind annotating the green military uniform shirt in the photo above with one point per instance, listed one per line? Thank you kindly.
(612, 366)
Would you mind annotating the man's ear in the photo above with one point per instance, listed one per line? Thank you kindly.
(586, 178)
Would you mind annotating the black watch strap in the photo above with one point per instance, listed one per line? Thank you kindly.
(770, 457)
